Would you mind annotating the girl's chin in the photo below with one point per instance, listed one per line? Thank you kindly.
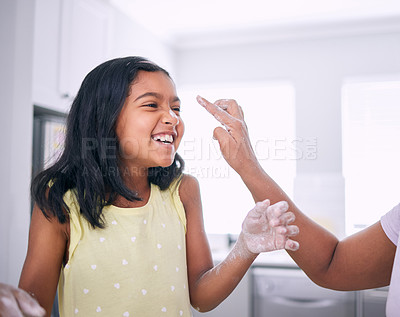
(167, 159)
(166, 163)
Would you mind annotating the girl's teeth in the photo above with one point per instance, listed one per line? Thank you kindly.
(164, 138)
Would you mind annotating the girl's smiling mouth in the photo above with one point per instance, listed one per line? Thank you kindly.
(166, 138)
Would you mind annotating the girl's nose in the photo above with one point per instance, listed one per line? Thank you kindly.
(170, 117)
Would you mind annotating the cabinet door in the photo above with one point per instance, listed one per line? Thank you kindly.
(46, 56)
(85, 29)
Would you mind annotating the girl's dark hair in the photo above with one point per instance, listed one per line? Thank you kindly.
(89, 163)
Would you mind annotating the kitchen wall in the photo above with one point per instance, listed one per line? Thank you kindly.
(16, 33)
(129, 38)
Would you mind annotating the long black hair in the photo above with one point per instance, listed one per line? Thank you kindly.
(89, 163)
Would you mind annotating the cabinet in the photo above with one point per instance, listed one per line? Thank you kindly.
(71, 37)
(85, 33)
(46, 57)
(372, 302)
(282, 292)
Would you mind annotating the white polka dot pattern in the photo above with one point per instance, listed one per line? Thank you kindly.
(131, 268)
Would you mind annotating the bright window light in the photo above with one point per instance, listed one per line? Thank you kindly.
(371, 150)
(269, 113)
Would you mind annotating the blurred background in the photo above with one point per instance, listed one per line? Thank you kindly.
(319, 83)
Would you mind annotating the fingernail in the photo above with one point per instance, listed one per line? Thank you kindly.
(283, 205)
(200, 100)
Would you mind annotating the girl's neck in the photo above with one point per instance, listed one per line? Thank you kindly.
(136, 179)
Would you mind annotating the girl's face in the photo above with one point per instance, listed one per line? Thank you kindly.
(149, 128)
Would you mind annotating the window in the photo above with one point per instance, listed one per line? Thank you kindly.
(371, 150)
(269, 114)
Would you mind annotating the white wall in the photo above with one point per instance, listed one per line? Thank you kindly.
(130, 38)
(317, 67)
(16, 33)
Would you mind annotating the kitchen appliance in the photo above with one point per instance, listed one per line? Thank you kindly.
(48, 138)
(372, 302)
(288, 292)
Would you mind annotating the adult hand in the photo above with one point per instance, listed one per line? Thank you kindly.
(15, 302)
(267, 228)
(234, 140)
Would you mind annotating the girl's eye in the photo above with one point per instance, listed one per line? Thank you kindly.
(151, 105)
(177, 109)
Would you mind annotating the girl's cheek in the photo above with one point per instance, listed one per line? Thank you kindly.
(181, 132)
(129, 148)
(181, 126)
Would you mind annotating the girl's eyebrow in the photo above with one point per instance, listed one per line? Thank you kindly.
(157, 95)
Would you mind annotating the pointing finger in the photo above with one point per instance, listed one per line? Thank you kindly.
(221, 115)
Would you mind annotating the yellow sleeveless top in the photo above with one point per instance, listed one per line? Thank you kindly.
(134, 267)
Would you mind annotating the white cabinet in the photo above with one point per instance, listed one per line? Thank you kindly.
(71, 37)
(85, 34)
(46, 55)
(288, 292)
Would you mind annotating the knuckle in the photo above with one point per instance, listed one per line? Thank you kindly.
(237, 124)
(258, 204)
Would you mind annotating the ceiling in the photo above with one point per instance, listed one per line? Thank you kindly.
(177, 20)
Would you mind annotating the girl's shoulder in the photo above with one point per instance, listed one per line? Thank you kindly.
(189, 189)
(188, 180)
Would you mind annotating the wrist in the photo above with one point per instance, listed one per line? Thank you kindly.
(250, 169)
(242, 250)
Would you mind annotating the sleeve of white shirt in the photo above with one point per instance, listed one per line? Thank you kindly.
(391, 224)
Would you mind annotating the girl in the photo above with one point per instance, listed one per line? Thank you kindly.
(116, 224)
(368, 259)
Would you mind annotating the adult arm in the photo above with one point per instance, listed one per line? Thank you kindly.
(46, 249)
(265, 228)
(363, 260)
